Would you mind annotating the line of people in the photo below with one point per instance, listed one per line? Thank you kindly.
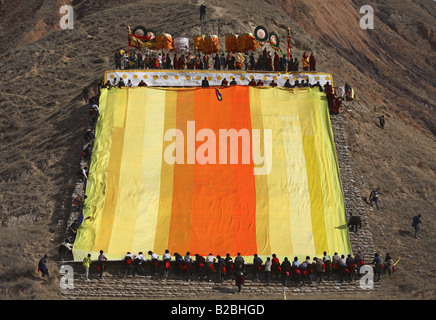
(265, 61)
(199, 268)
(120, 83)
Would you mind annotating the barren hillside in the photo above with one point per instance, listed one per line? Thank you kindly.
(43, 118)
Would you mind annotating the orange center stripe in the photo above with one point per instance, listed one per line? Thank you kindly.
(224, 196)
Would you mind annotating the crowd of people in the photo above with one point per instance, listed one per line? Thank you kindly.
(221, 268)
(265, 61)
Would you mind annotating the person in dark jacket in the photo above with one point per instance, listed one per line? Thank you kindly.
(239, 277)
(42, 266)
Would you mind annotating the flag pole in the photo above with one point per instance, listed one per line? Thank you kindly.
(289, 43)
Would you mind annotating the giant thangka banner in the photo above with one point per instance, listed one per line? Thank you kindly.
(180, 169)
(193, 78)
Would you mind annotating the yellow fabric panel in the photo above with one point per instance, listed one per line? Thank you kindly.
(308, 126)
(148, 206)
(167, 174)
(261, 183)
(336, 224)
(130, 174)
(299, 202)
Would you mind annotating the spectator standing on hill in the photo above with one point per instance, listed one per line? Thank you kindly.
(275, 266)
(154, 266)
(229, 265)
(202, 11)
(138, 264)
(187, 262)
(85, 93)
(101, 264)
(378, 266)
(257, 262)
(416, 221)
(388, 264)
(205, 83)
(216, 62)
(65, 248)
(222, 62)
(305, 61)
(87, 264)
(128, 263)
(166, 260)
(286, 270)
(319, 268)
(117, 59)
(221, 268)
(42, 266)
(382, 121)
(209, 261)
(239, 260)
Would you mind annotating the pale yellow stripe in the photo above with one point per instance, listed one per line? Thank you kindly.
(334, 209)
(167, 175)
(299, 200)
(130, 176)
(261, 181)
(85, 238)
(150, 175)
(279, 212)
(104, 173)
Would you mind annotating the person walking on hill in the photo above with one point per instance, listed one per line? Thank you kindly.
(42, 266)
(416, 221)
(202, 11)
(85, 93)
(382, 121)
(319, 268)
